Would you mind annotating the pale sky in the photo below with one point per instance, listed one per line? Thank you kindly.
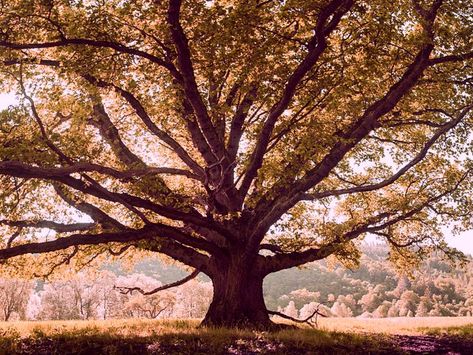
(463, 242)
(5, 100)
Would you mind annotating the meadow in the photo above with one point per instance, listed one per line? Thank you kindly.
(140, 336)
(398, 325)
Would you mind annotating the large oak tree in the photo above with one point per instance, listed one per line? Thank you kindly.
(237, 137)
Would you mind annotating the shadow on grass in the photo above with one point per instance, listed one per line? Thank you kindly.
(190, 340)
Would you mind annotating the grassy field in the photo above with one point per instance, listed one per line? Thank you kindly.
(335, 335)
(396, 325)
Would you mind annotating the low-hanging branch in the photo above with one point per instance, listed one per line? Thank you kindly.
(171, 242)
(307, 320)
(75, 240)
(129, 290)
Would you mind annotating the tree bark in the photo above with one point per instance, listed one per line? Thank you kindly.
(238, 297)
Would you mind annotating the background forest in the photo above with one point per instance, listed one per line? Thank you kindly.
(375, 289)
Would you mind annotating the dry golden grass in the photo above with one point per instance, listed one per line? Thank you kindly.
(171, 336)
(147, 327)
(395, 325)
(340, 335)
(120, 327)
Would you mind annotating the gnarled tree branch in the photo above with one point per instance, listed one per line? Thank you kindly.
(130, 290)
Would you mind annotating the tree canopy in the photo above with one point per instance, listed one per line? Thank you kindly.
(237, 137)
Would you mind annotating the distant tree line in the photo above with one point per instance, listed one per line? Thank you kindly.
(375, 289)
(89, 296)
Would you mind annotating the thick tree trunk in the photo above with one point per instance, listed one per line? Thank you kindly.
(238, 298)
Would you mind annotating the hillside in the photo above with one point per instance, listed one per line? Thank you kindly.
(376, 288)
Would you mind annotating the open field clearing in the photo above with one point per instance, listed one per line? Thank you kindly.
(147, 327)
(341, 335)
(396, 325)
